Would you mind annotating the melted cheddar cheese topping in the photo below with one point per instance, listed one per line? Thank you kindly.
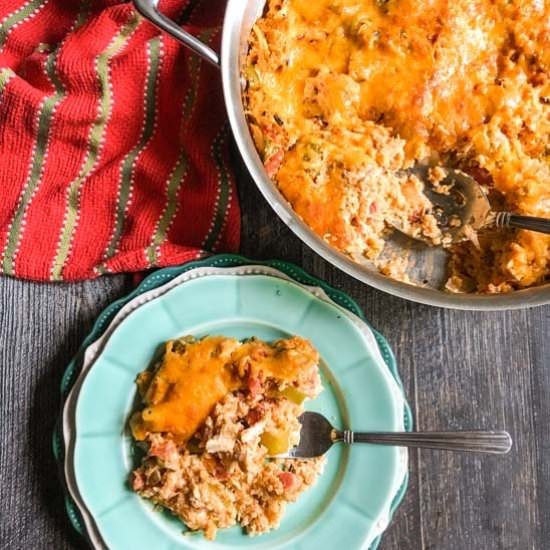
(343, 94)
(193, 376)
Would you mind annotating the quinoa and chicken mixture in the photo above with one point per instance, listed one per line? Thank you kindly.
(343, 96)
(214, 411)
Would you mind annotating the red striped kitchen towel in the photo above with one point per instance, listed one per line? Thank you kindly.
(113, 140)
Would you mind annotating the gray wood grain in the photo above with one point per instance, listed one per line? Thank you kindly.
(41, 327)
(460, 370)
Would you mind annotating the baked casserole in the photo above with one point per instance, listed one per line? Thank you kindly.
(214, 411)
(343, 96)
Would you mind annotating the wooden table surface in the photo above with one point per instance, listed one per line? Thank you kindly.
(460, 370)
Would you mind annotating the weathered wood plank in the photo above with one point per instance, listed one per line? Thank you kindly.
(538, 333)
(41, 327)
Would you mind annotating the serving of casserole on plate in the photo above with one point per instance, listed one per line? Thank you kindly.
(215, 411)
(342, 95)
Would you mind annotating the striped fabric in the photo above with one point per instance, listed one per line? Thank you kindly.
(113, 140)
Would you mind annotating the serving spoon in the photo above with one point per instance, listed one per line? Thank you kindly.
(317, 435)
(461, 207)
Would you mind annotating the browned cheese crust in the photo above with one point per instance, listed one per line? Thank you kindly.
(342, 94)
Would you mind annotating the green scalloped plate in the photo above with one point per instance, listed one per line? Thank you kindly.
(355, 497)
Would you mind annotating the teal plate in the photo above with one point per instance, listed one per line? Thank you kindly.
(353, 500)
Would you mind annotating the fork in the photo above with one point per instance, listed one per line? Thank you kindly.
(317, 436)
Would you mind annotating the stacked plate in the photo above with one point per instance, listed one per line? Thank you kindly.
(354, 499)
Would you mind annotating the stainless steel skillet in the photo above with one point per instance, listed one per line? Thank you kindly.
(425, 264)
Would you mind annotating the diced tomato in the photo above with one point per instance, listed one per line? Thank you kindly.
(373, 208)
(288, 479)
(415, 217)
(221, 473)
(253, 416)
(137, 481)
(163, 449)
(273, 163)
(254, 385)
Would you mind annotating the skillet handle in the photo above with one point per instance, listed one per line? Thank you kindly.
(149, 10)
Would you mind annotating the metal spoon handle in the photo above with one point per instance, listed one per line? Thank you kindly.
(480, 442)
(506, 219)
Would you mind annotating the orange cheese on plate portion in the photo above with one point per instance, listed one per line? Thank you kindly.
(193, 377)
